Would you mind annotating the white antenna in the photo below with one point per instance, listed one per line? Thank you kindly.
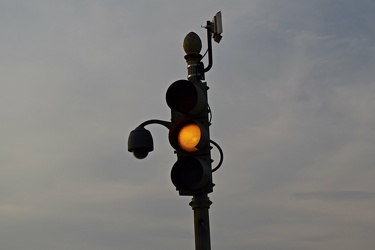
(218, 27)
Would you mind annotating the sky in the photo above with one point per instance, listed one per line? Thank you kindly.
(292, 94)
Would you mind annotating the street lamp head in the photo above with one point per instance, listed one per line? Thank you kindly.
(140, 142)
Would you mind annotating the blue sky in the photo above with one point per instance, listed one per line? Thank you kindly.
(293, 99)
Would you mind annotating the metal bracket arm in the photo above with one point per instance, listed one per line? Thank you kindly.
(155, 121)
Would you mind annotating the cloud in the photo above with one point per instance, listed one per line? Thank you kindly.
(335, 195)
(292, 96)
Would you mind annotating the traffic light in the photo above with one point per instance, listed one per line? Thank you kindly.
(189, 136)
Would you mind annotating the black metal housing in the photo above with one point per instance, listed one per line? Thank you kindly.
(140, 142)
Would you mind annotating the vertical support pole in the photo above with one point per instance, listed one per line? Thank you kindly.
(200, 204)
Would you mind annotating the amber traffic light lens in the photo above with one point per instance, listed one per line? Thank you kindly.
(189, 137)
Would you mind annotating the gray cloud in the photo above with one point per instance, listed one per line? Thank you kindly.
(292, 96)
(335, 195)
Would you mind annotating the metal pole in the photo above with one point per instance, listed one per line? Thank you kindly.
(200, 204)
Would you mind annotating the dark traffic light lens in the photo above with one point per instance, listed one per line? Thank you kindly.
(190, 173)
(185, 97)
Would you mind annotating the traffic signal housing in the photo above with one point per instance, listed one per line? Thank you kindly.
(189, 136)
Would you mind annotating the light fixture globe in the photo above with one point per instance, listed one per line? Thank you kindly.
(140, 142)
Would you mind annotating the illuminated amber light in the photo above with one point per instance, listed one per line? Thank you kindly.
(189, 137)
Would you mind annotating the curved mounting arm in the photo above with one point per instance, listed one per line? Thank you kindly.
(155, 121)
(209, 42)
(221, 156)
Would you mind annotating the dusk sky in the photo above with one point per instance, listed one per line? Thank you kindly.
(292, 93)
